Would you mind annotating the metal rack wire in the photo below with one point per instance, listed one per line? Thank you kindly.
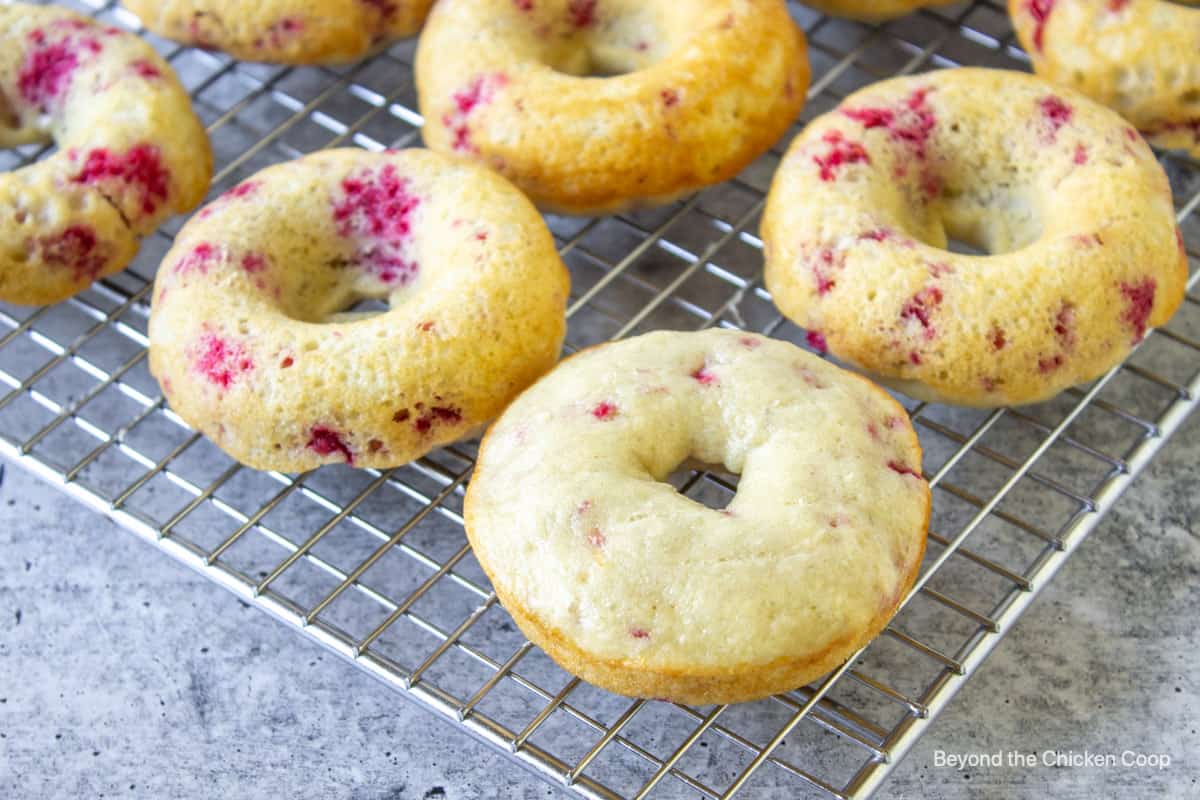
(375, 565)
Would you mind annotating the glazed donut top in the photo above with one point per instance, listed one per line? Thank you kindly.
(1139, 57)
(131, 152)
(593, 105)
(284, 31)
(872, 10)
(1066, 198)
(248, 335)
(569, 512)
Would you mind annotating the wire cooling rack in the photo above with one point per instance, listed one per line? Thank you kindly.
(375, 565)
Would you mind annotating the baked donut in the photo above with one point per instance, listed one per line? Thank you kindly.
(699, 89)
(872, 10)
(1139, 57)
(640, 590)
(284, 31)
(130, 150)
(1066, 198)
(251, 345)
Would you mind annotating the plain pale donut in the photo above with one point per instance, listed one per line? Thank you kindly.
(1068, 199)
(638, 589)
(1139, 57)
(250, 343)
(284, 31)
(872, 10)
(130, 151)
(700, 88)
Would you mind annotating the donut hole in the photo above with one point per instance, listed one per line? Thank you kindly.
(989, 218)
(360, 309)
(711, 485)
(606, 39)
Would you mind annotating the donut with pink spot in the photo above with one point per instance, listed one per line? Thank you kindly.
(284, 31)
(648, 592)
(1065, 248)
(269, 330)
(131, 152)
(1138, 57)
(592, 106)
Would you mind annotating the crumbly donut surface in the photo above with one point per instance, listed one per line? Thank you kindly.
(872, 10)
(284, 31)
(645, 592)
(698, 89)
(130, 150)
(251, 345)
(1138, 57)
(1066, 196)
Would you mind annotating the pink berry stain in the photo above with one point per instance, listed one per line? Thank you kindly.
(325, 441)
(704, 376)
(639, 633)
(1040, 11)
(75, 248)
(840, 151)
(670, 97)
(243, 190)
(524, 5)
(145, 69)
(596, 537)
(911, 124)
(197, 260)
(750, 342)
(1064, 334)
(280, 32)
(139, 171)
(1139, 303)
(604, 411)
(436, 414)
(998, 338)
(1064, 325)
(825, 265)
(1081, 155)
(582, 13)
(479, 92)
(46, 75)
(1055, 114)
(254, 263)
(816, 340)
(377, 209)
(920, 307)
(903, 469)
(221, 360)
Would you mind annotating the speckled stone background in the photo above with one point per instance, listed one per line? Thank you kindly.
(123, 674)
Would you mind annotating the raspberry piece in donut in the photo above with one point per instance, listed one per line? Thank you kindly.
(253, 324)
(376, 210)
(590, 106)
(1069, 280)
(653, 594)
(130, 151)
(1137, 57)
